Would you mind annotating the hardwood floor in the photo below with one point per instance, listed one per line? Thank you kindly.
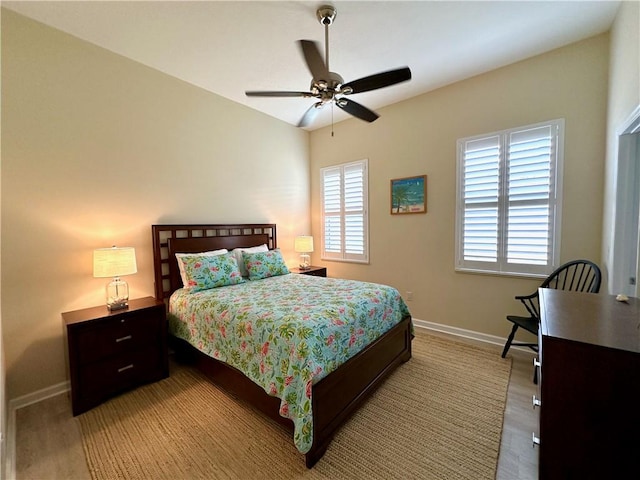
(48, 444)
(518, 458)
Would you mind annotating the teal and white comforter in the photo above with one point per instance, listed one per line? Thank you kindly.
(286, 333)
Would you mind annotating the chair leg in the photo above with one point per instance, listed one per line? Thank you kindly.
(509, 340)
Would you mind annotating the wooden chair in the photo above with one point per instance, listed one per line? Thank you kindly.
(577, 276)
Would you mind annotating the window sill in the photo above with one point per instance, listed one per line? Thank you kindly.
(532, 276)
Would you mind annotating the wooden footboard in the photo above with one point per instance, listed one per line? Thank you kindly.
(335, 397)
(339, 394)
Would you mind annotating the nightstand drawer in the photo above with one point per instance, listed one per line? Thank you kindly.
(100, 380)
(118, 335)
(320, 272)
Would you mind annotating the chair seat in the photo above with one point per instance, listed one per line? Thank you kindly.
(528, 323)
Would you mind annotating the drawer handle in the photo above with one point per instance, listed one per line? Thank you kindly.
(122, 339)
(128, 367)
(534, 440)
(536, 402)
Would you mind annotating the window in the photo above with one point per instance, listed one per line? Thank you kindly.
(509, 200)
(345, 216)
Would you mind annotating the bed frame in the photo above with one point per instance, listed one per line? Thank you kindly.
(336, 396)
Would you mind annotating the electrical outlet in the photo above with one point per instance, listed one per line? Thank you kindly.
(409, 296)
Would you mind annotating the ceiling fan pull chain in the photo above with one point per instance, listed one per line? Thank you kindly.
(332, 119)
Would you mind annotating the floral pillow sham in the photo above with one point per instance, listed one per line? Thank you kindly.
(239, 251)
(211, 271)
(264, 264)
(180, 257)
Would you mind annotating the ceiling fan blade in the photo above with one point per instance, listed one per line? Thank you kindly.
(277, 94)
(379, 80)
(314, 60)
(357, 110)
(310, 115)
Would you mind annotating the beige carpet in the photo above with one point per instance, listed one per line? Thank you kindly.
(438, 416)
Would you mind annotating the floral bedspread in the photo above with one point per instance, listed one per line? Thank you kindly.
(287, 332)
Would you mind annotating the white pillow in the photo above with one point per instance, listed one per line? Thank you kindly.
(180, 256)
(237, 252)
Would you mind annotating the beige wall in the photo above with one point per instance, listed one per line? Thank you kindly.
(97, 148)
(75, 117)
(623, 99)
(416, 252)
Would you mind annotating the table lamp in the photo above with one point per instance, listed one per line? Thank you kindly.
(304, 245)
(115, 262)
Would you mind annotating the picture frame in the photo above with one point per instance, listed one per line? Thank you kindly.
(409, 195)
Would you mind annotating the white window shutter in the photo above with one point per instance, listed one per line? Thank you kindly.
(531, 196)
(344, 215)
(481, 188)
(332, 209)
(509, 201)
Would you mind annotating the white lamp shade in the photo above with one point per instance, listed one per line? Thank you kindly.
(303, 244)
(114, 262)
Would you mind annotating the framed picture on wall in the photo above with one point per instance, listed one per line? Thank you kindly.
(409, 195)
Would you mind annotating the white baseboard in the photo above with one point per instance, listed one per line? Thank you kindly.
(471, 334)
(39, 395)
(21, 402)
(459, 332)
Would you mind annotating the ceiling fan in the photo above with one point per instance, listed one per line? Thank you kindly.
(329, 87)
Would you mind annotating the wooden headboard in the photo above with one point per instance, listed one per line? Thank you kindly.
(171, 239)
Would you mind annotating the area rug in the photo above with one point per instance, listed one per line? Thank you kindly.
(438, 416)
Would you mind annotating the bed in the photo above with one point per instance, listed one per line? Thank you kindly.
(333, 395)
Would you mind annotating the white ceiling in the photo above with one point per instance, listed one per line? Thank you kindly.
(230, 47)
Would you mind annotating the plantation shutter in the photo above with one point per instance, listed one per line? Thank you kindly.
(531, 194)
(344, 212)
(508, 200)
(332, 204)
(481, 191)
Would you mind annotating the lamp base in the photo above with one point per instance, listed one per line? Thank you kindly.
(117, 295)
(117, 306)
(305, 261)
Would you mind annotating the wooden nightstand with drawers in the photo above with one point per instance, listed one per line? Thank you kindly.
(314, 271)
(110, 352)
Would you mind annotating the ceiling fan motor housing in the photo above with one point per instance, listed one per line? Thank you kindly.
(326, 89)
(326, 14)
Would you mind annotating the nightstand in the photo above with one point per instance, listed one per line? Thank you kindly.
(314, 271)
(110, 352)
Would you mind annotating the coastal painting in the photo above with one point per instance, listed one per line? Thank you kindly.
(409, 195)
